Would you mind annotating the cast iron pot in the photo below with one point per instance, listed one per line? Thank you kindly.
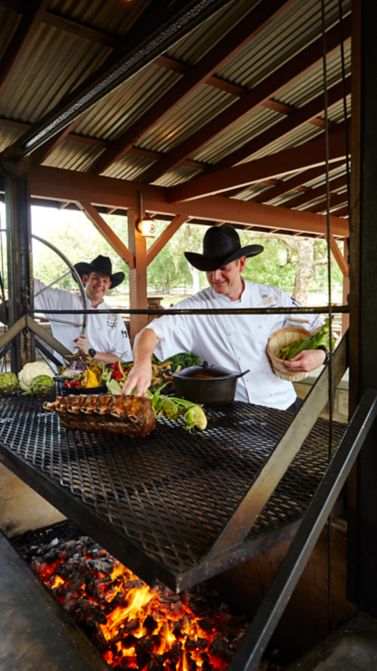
(212, 385)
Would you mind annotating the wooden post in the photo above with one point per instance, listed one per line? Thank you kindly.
(137, 275)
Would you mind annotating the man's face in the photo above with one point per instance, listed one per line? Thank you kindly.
(96, 286)
(227, 279)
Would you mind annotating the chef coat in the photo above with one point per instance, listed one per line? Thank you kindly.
(236, 342)
(106, 332)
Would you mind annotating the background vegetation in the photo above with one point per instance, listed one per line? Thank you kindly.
(297, 265)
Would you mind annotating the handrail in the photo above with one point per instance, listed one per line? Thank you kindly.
(295, 560)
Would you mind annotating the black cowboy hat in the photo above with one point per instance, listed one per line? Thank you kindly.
(101, 264)
(221, 245)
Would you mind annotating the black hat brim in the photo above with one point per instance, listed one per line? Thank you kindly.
(86, 268)
(208, 263)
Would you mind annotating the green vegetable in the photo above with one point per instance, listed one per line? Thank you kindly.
(8, 383)
(32, 370)
(173, 407)
(42, 386)
(181, 360)
(321, 337)
(113, 387)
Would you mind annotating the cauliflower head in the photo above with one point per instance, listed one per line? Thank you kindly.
(30, 371)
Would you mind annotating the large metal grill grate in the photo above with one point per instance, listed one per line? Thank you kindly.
(160, 503)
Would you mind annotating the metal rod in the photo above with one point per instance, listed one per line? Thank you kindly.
(341, 309)
(294, 562)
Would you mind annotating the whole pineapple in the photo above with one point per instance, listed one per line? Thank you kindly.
(42, 386)
(8, 383)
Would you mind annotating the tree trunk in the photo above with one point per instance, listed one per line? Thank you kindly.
(304, 270)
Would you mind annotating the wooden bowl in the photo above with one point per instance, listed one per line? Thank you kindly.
(279, 339)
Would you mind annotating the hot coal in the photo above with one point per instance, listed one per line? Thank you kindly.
(135, 627)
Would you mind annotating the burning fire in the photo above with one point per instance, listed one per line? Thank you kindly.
(135, 626)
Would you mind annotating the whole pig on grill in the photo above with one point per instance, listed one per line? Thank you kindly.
(124, 415)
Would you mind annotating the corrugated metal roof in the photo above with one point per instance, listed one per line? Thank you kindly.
(204, 103)
(73, 39)
(108, 118)
(240, 132)
(193, 47)
(112, 16)
(73, 156)
(53, 64)
(283, 38)
(307, 87)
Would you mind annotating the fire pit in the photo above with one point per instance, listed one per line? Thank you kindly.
(134, 626)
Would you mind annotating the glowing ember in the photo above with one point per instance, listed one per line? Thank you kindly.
(137, 627)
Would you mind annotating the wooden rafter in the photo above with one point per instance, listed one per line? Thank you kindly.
(109, 235)
(306, 155)
(339, 258)
(306, 114)
(310, 194)
(243, 32)
(288, 72)
(165, 236)
(291, 184)
(67, 134)
(75, 187)
(334, 200)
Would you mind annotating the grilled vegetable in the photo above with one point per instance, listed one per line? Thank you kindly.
(173, 407)
(320, 337)
(42, 386)
(30, 371)
(8, 383)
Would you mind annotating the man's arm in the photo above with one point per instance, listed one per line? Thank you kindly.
(140, 376)
(82, 343)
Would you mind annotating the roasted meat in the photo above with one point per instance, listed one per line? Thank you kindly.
(125, 415)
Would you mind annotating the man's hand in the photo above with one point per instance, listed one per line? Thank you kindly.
(306, 361)
(140, 376)
(138, 379)
(82, 343)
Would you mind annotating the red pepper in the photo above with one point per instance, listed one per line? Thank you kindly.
(118, 372)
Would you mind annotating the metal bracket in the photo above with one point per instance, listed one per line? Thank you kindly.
(27, 322)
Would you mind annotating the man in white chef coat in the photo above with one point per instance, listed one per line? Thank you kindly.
(106, 337)
(235, 342)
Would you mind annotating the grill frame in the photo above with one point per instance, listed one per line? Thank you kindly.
(159, 503)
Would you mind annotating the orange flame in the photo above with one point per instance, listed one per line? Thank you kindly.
(143, 613)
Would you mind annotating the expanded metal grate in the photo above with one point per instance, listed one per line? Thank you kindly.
(159, 503)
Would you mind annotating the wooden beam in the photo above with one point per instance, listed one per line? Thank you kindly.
(294, 120)
(293, 183)
(66, 185)
(105, 230)
(309, 194)
(286, 73)
(334, 200)
(137, 275)
(249, 26)
(339, 258)
(165, 236)
(302, 157)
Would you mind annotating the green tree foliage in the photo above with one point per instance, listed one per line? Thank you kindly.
(76, 237)
(79, 240)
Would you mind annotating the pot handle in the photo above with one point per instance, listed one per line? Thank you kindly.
(244, 373)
